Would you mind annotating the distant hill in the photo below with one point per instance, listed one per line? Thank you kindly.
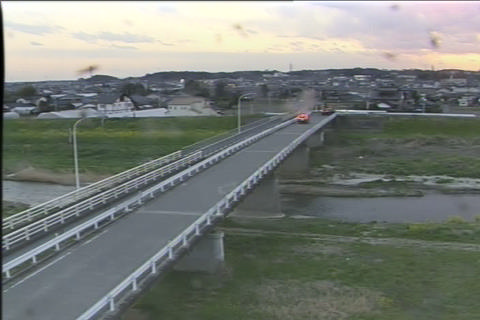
(196, 75)
(99, 78)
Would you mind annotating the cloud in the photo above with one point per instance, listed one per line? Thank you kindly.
(125, 37)
(167, 9)
(128, 22)
(90, 38)
(377, 26)
(109, 36)
(124, 47)
(166, 44)
(34, 43)
(32, 29)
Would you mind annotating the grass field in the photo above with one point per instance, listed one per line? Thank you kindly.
(304, 272)
(406, 146)
(116, 146)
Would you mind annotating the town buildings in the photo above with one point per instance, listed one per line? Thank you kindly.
(171, 93)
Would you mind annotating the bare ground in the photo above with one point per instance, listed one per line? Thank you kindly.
(32, 174)
(293, 299)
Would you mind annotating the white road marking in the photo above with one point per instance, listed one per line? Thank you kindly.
(263, 151)
(93, 238)
(37, 272)
(172, 212)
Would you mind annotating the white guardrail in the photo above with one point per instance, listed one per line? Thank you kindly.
(42, 225)
(46, 208)
(167, 253)
(67, 199)
(413, 114)
(124, 206)
(100, 199)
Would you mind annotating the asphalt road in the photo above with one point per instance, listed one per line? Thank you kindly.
(74, 281)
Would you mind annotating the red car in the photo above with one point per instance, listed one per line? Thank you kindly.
(303, 118)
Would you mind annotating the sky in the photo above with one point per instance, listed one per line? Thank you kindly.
(55, 40)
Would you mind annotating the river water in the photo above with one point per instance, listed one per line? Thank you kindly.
(431, 207)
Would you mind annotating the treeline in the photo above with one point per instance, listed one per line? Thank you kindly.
(258, 75)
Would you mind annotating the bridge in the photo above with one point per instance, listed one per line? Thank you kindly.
(86, 254)
(82, 255)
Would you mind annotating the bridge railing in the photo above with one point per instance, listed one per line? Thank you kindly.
(203, 144)
(34, 213)
(125, 206)
(100, 199)
(55, 204)
(169, 252)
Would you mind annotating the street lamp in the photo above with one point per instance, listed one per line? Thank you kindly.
(238, 108)
(75, 156)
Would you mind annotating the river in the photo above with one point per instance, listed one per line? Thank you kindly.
(431, 207)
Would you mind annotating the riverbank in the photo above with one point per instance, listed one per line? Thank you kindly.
(355, 184)
(31, 174)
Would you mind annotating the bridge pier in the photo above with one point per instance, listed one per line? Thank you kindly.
(316, 139)
(263, 201)
(297, 164)
(205, 256)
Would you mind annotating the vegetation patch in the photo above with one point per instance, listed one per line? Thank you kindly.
(10, 208)
(321, 299)
(405, 147)
(104, 148)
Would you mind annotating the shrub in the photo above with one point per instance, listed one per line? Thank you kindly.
(455, 220)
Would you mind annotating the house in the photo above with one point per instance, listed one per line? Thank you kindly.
(21, 108)
(141, 102)
(111, 103)
(190, 106)
(10, 115)
(466, 101)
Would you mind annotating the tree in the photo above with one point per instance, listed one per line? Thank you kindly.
(196, 88)
(9, 96)
(264, 90)
(27, 91)
(220, 91)
(134, 88)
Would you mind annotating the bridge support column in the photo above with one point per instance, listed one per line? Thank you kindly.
(263, 200)
(206, 255)
(316, 139)
(297, 164)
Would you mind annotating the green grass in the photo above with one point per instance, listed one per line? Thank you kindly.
(455, 230)
(440, 126)
(285, 276)
(118, 145)
(11, 208)
(406, 147)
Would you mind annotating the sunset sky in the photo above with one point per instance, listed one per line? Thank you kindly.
(54, 40)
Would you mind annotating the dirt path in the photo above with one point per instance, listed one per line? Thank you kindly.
(396, 242)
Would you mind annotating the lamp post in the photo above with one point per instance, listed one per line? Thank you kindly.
(75, 156)
(238, 108)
